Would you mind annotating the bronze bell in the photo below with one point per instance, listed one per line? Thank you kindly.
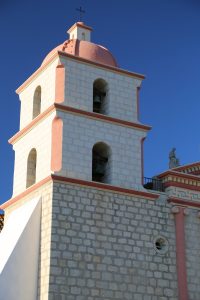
(97, 99)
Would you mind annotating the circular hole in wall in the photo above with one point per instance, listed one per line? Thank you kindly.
(161, 245)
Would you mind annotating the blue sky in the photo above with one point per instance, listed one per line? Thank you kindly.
(158, 38)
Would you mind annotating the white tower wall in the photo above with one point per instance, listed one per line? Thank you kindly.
(80, 133)
(39, 138)
(122, 89)
(45, 79)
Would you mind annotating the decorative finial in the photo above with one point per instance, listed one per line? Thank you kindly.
(81, 11)
(173, 160)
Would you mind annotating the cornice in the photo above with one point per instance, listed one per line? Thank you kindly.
(182, 185)
(191, 168)
(107, 187)
(80, 182)
(83, 60)
(102, 66)
(184, 203)
(32, 124)
(101, 117)
(75, 111)
(172, 178)
(176, 174)
(79, 24)
(36, 73)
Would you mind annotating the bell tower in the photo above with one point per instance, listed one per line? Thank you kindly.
(79, 116)
(79, 140)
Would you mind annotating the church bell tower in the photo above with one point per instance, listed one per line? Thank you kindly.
(78, 148)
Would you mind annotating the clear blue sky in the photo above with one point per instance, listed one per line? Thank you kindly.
(159, 38)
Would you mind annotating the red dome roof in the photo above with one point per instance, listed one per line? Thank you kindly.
(85, 49)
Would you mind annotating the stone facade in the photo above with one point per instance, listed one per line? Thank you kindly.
(98, 244)
(122, 89)
(80, 133)
(103, 246)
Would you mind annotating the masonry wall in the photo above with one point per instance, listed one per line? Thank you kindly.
(45, 79)
(38, 137)
(103, 246)
(79, 136)
(122, 89)
(192, 238)
(192, 234)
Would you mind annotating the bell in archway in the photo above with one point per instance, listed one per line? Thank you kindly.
(97, 99)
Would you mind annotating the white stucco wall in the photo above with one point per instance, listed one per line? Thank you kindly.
(45, 79)
(39, 138)
(80, 133)
(79, 78)
(19, 253)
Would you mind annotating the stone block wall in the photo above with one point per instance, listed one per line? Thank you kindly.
(80, 133)
(192, 238)
(122, 89)
(103, 246)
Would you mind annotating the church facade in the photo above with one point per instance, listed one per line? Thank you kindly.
(89, 227)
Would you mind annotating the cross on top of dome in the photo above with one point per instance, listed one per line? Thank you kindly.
(81, 11)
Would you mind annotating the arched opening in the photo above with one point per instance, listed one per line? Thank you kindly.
(37, 102)
(101, 163)
(31, 168)
(100, 97)
(83, 36)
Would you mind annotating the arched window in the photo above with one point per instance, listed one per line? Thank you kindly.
(101, 163)
(100, 97)
(83, 36)
(37, 102)
(31, 168)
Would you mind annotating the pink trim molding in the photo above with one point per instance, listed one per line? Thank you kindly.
(116, 69)
(104, 186)
(185, 203)
(179, 174)
(179, 213)
(60, 53)
(92, 184)
(101, 117)
(25, 193)
(92, 115)
(37, 72)
(185, 167)
(41, 116)
(181, 185)
(60, 84)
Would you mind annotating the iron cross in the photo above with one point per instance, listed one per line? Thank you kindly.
(81, 12)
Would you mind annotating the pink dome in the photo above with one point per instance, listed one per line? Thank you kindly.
(84, 49)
